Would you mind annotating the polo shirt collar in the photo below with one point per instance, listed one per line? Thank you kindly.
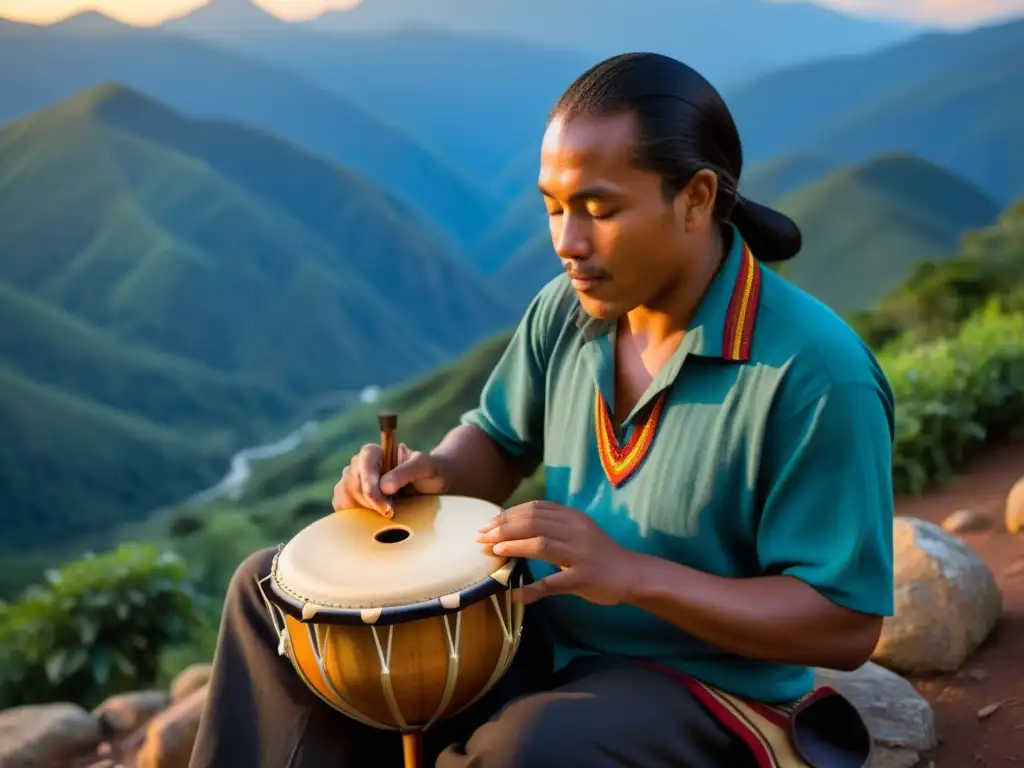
(722, 327)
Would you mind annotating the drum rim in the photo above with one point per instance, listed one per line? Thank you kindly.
(397, 614)
(370, 615)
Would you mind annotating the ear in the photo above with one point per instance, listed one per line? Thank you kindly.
(695, 203)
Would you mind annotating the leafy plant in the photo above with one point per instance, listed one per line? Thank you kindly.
(955, 394)
(96, 627)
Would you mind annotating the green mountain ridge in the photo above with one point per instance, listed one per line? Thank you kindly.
(156, 228)
(43, 65)
(951, 98)
(867, 227)
(69, 466)
(41, 342)
(166, 302)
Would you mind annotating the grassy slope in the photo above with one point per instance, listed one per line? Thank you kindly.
(166, 300)
(162, 248)
(948, 97)
(866, 228)
(41, 65)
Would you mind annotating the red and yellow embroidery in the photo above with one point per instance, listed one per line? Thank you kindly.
(620, 463)
(739, 321)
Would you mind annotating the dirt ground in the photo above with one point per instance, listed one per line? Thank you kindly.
(995, 674)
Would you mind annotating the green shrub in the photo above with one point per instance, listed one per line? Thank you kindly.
(954, 395)
(96, 627)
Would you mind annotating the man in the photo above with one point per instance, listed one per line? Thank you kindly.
(716, 448)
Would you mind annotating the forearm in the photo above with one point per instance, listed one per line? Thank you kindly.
(772, 618)
(475, 465)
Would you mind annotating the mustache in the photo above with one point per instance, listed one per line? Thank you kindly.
(575, 273)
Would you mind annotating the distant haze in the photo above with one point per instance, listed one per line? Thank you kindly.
(951, 13)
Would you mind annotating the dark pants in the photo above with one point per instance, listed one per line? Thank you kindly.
(595, 713)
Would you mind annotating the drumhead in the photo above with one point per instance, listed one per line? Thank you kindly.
(355, 566)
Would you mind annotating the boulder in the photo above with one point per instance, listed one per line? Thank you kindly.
(900, 721)
(1015, 508)
(964, 521)
(947, 601)
(171, 735)
(41, 736)
(191, 679)
(127, 711)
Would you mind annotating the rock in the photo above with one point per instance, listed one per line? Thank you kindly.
(172, 734)
(964, 521)
(947, 601)
(190, 679)
(1015, 508)
(39, 736)
(887, 757)
(127, 711)
(900, 721)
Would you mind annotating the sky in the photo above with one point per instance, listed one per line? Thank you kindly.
(951, 13)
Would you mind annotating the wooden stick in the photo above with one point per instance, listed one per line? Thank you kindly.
(412, 747)
(388, 443)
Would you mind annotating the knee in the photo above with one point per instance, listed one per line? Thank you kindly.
(251, 570)
(525, 737)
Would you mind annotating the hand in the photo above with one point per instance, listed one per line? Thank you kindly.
(362, 486)
(592, 565)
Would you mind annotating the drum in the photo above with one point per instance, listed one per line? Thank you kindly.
(397, 623)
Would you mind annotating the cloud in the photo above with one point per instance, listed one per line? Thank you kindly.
(947, 12)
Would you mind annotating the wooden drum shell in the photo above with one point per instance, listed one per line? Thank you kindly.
(421, 666)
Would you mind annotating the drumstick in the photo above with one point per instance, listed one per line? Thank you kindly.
(388, 445)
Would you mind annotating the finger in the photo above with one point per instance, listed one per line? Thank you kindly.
(404, 452)
(562, 583)
(419, 466)
(366, 466)
(536, 548)
(525, 526)
(530, 509)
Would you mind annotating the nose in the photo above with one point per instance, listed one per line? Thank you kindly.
(570, 236)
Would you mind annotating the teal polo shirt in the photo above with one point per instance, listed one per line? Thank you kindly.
(763, 446)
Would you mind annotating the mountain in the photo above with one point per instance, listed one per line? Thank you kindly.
(770, 180)
(41, 65)
(866, 228)
(697, 31)
(213, 241)
(71, 466)
(478, 99)
(525, 219)
(952, 98)
(165, 299)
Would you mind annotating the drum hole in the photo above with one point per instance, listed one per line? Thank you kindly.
(392, 535)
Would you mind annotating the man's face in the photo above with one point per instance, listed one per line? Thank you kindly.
(617, 236)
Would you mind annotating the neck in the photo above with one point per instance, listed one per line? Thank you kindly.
(667, 315)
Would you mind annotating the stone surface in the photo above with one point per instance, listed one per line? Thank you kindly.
(127, 711)
(900, 721)
(964, 521)
(190, 679)
(947, 601)
(42, 735)
(1015, 508)
(172, 734)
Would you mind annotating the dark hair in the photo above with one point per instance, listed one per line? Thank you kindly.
(684, 126)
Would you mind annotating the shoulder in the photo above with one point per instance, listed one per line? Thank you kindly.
(814, 351)
(551, 313)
